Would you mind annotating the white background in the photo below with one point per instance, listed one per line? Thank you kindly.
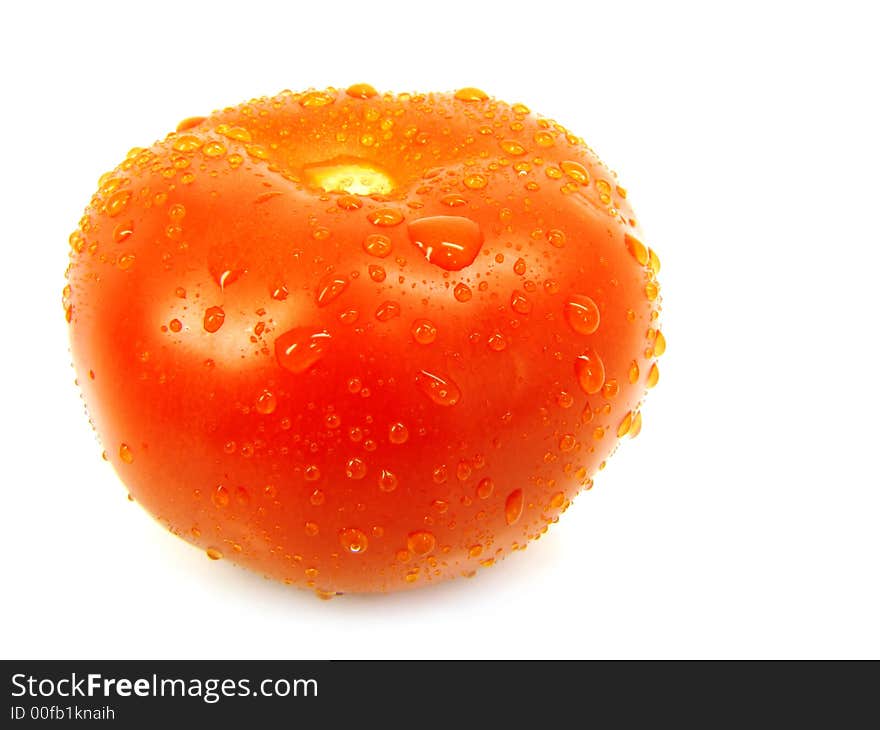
(743, 522)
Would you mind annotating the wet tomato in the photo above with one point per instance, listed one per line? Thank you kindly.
(362, 342)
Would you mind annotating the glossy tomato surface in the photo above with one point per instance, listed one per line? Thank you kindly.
(362, 342)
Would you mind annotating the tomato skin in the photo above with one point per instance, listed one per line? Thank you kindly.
(349, 413)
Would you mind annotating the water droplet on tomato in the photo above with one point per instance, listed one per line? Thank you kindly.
(476, 181)
(610, 389)
(519, 303)
(470, 93)
(214, 318)
(125, 453)
(496, 342)
(349, 202)
(387, 310)
(659, 344)
(485, 488)
(582, 314)
(590, 371)
(186, 143)
(440, 506)
(512, 147)
(213, 149)
(214, 554)
(513, 506)
(398, 433)
(453, 200)
(567, 442)
(440, 389)
(423, 331)
(353, 540)
(266, 403)
(421, 542)
(377, 245)
(116, 202)
(220, 497)
(316, 98)
(449, 241)
(361, 91)
(123, 231)
(633, 372)
(625, 425)
(462, 293)
(387, 480)
(576, 171)
(543, 138)
(636, 426)
(653, 376)
(385, 217)
(355, 468)
(329, 288)
(299, 349)
(637, 249)
(556, 237)
(126, 261)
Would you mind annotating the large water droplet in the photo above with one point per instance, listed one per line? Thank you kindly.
(513, 506)
(582, 314)
(398, 433)
(298, 349)
(116, 202)
(450, 241)
(485, 488)
(659, 344)
(214, 318)
(442, 390)
(330, 287)
(636, 249)
(214, 148)
(590, 371)
(361, 91)
(576, 171)
(421, 542)
(355, 468)
(387, 310)
(519, 303)
(470, 93)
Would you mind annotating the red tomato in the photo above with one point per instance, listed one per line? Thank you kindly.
(362, 342)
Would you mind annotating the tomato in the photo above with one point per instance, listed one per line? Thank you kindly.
(362, 342)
